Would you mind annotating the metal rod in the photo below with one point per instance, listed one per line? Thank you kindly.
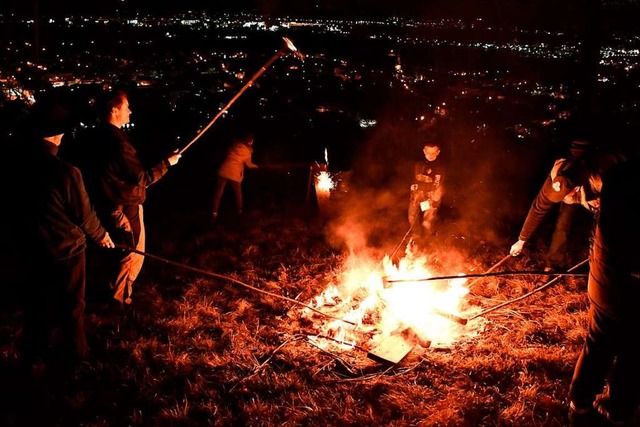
(528, 294)
(231, 279)
(386, 280)
(286, 48)
(496, 265)
(403, 239)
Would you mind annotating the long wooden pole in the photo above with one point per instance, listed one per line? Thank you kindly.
(277, 55)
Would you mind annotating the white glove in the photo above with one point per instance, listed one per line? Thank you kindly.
(516, 248)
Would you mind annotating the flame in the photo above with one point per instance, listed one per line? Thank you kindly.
(376, 308)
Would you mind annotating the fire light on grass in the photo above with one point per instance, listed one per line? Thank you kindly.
(378, 309)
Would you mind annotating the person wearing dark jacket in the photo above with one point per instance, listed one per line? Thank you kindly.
(51, 234)
(117, 183)
(564, 187)
(426, 190)
(610, 353)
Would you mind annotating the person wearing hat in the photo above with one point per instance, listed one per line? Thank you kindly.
(56, 220)
(565, 185)
(117, 181)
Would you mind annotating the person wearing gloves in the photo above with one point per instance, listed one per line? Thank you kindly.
(426, 190)
(231, 172)
(51, 233)
(117, 182)
(564, 186)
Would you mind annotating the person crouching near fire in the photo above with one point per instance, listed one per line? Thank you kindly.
(426, 191)
(610, 354)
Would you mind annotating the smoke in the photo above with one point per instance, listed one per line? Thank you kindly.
(372, 215)
(487, 188)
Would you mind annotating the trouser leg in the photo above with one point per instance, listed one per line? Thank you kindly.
(557, 255)
(34, 339)
(624, 394)
(428, 218)
(54, 312)
(414, 213)
(130, 264)
(73, 309)
(595, 360)
(237, 191)
(217, 193)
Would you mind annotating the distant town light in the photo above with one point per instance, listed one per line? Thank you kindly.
(367, 123)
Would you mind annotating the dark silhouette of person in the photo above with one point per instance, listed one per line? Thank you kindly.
(607, 373)
(51, 232)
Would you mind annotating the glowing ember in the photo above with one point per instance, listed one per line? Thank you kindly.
(378, 308)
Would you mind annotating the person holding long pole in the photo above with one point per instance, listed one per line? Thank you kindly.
(117, 181)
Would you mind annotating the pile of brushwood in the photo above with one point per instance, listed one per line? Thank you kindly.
(198, 350)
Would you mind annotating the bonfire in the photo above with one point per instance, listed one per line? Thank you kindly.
(380, 305)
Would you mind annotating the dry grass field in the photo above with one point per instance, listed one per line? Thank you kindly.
(220, 333)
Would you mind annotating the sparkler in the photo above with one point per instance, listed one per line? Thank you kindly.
(324, 183)
(288, 47)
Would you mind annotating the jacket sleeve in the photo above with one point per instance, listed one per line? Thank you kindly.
(135, 171)
(247, 159)
(417, 169)
(86, 217)
(552, 192)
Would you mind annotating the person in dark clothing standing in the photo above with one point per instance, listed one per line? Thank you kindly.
(117, 182)
(564, 187)
(610, 354)
(51, 235)
(426, 190)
